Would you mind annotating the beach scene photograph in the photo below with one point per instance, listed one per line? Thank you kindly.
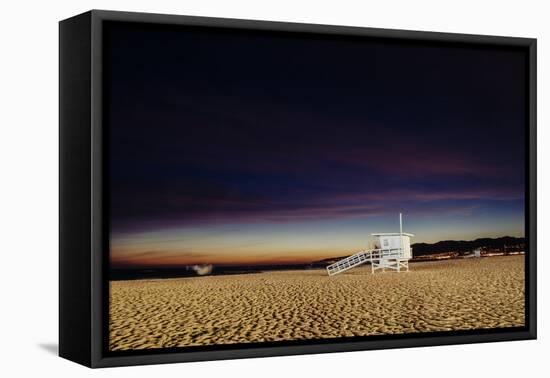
(267, 189)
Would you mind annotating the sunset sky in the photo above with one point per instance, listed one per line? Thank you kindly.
(238, 148)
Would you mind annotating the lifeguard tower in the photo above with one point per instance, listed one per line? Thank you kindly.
(392, 251)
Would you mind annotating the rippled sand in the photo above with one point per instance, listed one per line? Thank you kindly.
(290, 305)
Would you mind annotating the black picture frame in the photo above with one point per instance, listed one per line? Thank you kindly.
(83, 228)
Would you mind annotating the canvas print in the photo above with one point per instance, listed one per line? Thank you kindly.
(271, 187)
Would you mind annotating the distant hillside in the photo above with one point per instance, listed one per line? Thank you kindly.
(462, 246)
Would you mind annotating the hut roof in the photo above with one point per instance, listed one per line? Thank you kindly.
(392, 234)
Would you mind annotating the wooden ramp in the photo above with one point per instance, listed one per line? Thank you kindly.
(378, 258)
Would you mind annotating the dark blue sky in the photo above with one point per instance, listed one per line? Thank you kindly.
(224, 143)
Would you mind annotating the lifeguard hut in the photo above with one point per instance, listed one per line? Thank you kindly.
(392, 251)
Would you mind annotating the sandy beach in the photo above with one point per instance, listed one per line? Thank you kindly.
(307, 304)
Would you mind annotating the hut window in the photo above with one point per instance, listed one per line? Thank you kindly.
(386, 242)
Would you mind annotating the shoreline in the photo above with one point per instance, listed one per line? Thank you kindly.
(230, 270)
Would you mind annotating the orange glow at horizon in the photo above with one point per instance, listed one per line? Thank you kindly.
(180, 258)
(278, 243)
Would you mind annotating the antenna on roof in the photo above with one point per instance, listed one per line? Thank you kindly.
(401, 231)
